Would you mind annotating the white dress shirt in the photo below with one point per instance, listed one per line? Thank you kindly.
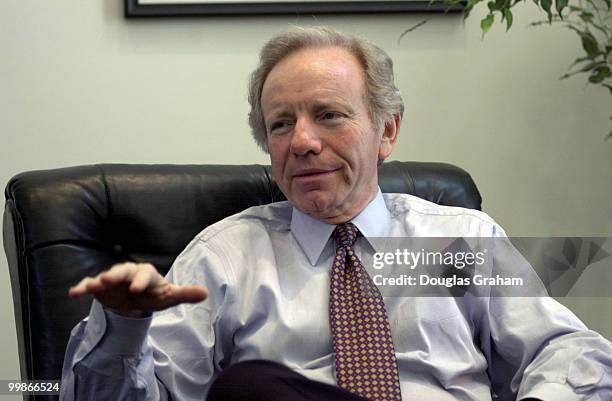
(267, 272)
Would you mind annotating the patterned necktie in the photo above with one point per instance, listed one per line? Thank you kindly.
(365, 358)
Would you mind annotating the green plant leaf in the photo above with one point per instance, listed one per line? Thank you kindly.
(538, 23)
(587, 68)
(560, 5)
(546, 5)
(595, 5)
(590, 19)
(600, 28)
(502, 4)
(509, 18)
(592, 66)
(468, 7)
(586, 16)
(600, 74)
(578, 61)
(589, 43)
(485, 23)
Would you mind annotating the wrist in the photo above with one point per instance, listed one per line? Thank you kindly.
(124, 335)
(134, 314)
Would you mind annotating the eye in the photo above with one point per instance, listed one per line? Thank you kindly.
(280, 127)
(330, 115)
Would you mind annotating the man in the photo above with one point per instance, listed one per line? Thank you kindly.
(285, 316)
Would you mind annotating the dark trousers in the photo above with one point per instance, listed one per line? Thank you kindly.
(270, 381)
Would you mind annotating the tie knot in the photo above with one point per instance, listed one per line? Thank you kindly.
(346, 235)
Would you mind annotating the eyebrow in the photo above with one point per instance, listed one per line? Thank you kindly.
(319, 106)
(277, 109)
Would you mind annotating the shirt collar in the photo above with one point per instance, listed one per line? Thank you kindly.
(312, 234)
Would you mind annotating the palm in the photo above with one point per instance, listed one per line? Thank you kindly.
(129, 287)
(120, 298)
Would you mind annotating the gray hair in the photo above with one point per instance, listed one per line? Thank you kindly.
(383, 97)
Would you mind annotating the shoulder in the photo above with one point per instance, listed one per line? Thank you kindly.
(427, 218)
(218, 252)
(254, 221)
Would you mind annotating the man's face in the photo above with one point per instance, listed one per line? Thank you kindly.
(323, 146)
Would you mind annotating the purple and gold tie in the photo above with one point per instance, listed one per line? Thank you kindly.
(365, 358)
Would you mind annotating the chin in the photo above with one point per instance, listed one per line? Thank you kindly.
(316, 206)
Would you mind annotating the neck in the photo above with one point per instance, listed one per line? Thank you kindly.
(349, 214)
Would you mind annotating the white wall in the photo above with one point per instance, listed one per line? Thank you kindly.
(79, 84)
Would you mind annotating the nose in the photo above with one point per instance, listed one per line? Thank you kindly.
(305, 138)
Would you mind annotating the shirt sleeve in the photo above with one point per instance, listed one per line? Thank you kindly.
(174, 354)
(108, 358)
(537, 348)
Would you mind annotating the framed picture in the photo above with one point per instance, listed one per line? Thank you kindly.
(185, 8)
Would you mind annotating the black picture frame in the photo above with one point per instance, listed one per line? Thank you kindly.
(161, 8)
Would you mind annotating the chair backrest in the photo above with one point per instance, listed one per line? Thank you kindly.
(64, 224)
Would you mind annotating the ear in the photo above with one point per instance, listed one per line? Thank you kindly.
(389, 136)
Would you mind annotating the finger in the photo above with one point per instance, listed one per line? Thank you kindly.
(80, 288)
(89, 285)
(145, 277)
(187, 294)
(94, 285)
(120, 273)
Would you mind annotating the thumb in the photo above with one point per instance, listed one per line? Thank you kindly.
(188, 294)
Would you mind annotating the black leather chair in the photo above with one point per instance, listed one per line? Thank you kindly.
(61, 225)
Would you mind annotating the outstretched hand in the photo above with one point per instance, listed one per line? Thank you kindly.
(133, 288)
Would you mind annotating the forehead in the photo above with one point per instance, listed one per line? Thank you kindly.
(319, 58)
(315, 69)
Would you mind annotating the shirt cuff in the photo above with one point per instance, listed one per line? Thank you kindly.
(552, 392)
(124, 336)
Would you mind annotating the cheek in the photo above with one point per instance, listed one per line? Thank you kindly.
(277, 158)
(347, 177)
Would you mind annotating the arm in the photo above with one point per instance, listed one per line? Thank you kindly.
(537, 349)
(107, 358)
(116, 355)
